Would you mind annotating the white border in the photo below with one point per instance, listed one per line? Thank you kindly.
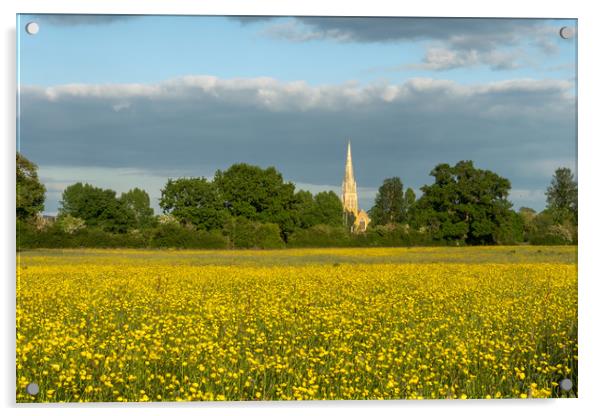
(590, 135)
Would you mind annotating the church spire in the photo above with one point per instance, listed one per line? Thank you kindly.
(349, 165)
(349, 195)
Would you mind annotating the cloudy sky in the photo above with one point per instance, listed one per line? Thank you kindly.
(120, 101)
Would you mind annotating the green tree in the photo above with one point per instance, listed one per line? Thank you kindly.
(97, 207)
(194, 201)
(138, 201)
(547, 230)
(69, 224)
(305, 205)
(329, 209)
(324, 208)
(259, 195)
(528, 216)
(464, 204)
(562, 196)
(511, 230)
(348, 220)
(389, 204)
(409, 201)
(30, 192)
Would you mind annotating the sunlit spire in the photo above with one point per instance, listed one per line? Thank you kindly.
(349, 195)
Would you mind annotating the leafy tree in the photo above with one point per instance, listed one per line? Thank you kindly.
(30, 192)
(329, 209)
(389, 204)
(528, 216)
(409, 201)
(410, 198)
(562, 196)
(138, 201)
(69, 224)
(464, 204)
(547, 230)
(259, 195)
(194, 201)
(348, 220)
(324, 208)
(305, 205)
(511, 230)
(97, 207)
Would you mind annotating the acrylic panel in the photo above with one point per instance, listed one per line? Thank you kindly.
(295, 208)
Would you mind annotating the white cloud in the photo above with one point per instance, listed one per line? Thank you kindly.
(273, 95)
(444, 58)
(121, 106)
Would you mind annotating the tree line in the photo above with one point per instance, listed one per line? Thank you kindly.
(248, 206)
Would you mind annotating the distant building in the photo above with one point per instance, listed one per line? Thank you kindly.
(349, 197)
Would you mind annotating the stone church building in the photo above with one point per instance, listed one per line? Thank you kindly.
(349, 197)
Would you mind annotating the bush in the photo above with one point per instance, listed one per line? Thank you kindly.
(511, 231)
(393, 235)
(546, 231)
(321, 236)
(555, 234)
(56, 237)
(70, 224)
(248, 234)
(170, 235)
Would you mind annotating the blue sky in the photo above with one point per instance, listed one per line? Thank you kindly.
(129, 101)
(154, 48)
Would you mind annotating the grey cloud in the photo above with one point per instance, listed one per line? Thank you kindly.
(247, 20)
(463, 41)
(195, 125)
(440, 59)
(462, 33)
(465, 33)
(82, 19)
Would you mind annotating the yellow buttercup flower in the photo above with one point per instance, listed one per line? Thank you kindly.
(385, 323)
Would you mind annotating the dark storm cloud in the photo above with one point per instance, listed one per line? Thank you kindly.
(82, 19)
(465, 33)
(247, 20)
(521, 129)
(449, 42)
(462, 32)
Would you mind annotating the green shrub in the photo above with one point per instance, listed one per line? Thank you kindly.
(321, 236)
(393, 235)
(172, 235)
(555, 234)
(56, 237)
(546, 231)
(70, 224)
(243, 233)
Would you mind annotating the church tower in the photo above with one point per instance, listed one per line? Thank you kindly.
(349, 196)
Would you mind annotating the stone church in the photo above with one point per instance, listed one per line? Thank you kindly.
(349, 197)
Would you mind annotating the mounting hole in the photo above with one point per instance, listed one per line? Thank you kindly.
(32, 388)
(32, 28)
(566, 384)
(566, 32)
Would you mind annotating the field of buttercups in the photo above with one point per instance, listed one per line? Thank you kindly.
(111, 325)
